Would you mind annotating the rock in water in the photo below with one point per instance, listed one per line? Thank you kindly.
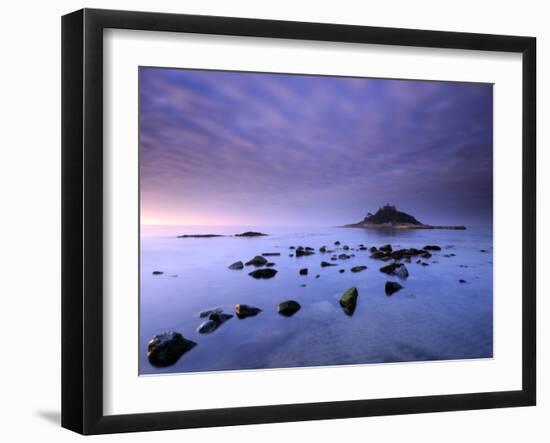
(398, 269)
(165, 349)
(257, 261)
(344, 256)
(270, 264)
(251, 234)
(288, 308)
(432, 248)
(236, 265)
(341, 271)
(271, 254)
(244, 311)
(324, 264)
(358, 268)
(215, 320)
(323, 249)
(158, 272)
(303, 271)
(208, 312)
(336, 243)
(263, 273)
(348, 301)
(346, 248)
(302, 252)
(385, 248)
(462, 280)
(392, 287)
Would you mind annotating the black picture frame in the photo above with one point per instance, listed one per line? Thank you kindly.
(82, 218)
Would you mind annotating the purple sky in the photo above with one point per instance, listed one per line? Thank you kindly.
(229, 148)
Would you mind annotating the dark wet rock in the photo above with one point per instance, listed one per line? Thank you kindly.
(392, 287)
(425, 254)
(270, 264)
(200, 235)
(166, 349)
(263, 273)
(309, 248)
(325, 264)
(303, 285)
(363, 248)
(215, 320)
(323, 249)
(291, 255)
(358, 268)
(256, 261)
(398, 269)
(334, 259)
(346, 247)
(344, 256)
(449, 255)
(158, 272)
(373, 249)
(379, 255)
(336, 243)
(303, 271)
(251, 234)
(462, 280)
(292, 247)
(209, 312)
(288, 308)
(348, 301)
(271, 254)
(462, 266)
(237, 265)
(432, 248)
(418, 261)
(385, 248)
(317, 276)
(483, 250)
(341, 271)
(244, 311)
(425, 264)
(304, 252)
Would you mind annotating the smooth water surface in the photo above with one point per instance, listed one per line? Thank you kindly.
(434, 317)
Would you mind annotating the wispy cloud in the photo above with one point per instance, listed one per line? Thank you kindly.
(275, 149)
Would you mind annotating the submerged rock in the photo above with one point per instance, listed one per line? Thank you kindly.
(317, 276)
(344, 256)
(302, 252)
(392, 287)
(158, 272)
(398, 269)
(208, 312)
(337, 243)
(462, 280)
(341, 271)
(358, 268)
(256, 261)
(214, 321)
(251, 234)
(432, 248)
(348, 301)
(263, 273)
(199, 235)
(288, 308)
(379, 255)
(303, 271)
(323, 249)
(166, 349)
(386, 248)
(324, 264)
(244, 311)
(237, 265)
(346, 248)
(271, 254)
(270, 264)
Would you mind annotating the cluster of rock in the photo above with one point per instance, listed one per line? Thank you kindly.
(166, 348)
(244, 234)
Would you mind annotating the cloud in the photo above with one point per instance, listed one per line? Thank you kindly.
(248, 143)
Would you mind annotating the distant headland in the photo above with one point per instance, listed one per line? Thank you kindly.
(389, 217)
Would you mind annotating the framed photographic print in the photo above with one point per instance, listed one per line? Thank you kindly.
(269, 221)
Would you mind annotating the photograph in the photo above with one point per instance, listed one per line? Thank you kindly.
(292, 220)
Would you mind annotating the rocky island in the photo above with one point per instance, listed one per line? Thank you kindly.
(389, 217)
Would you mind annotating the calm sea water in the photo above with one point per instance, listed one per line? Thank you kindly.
(434, 317)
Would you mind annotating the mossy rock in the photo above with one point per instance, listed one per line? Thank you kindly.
(348, 300)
